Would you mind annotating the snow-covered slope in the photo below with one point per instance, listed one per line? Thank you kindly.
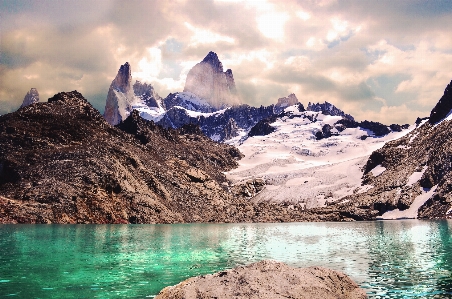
(300, 169)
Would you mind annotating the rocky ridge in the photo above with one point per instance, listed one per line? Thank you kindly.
(265, 280)
(410, 173)
(30, 98)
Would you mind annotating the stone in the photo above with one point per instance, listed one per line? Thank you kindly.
(267, 280)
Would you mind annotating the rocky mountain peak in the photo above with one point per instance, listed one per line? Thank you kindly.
(443, 107)
(123, 79)
(120, 96)
(329, 109)
(208, 81)
(30, 98)
(285, 102)
(214, 61)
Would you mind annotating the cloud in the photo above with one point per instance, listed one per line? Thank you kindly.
(370, 58)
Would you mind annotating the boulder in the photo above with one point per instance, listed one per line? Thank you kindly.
(267, 279)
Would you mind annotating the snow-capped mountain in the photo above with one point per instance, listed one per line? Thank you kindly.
(302, 169)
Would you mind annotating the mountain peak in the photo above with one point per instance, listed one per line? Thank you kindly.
(30, 98)
(213, 60)
(443, 107)
(208, 81)
(123, 79)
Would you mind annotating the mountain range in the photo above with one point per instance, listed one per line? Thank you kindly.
(199, 155)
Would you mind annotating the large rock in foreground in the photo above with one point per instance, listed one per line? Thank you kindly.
(267, 279)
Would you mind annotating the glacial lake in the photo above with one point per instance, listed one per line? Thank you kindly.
(390, 259)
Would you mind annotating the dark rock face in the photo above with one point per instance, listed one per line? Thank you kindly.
(267, 280)
(443, 107)
(263, 127)
(147, 94)
(219, 126)
(378, 128)
(328, 109)
(30, 98)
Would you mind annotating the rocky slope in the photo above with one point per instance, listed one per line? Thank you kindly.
(265, 280)
(30, 98)
(208, 81)
(62, 162)
(411, 176)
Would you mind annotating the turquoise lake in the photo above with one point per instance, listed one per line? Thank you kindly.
(391, 259)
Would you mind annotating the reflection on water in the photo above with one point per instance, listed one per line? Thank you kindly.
(398, 259)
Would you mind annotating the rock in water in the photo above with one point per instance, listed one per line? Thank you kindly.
(208, 81)
(267, 279)
(30, 98)
(120, 96)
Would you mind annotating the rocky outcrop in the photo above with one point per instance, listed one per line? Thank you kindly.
(265, 280)
(285, 102)
(328, 109)
(147, 94)
(120, 96)
(263, 127)
(208, 81)
(30, 98)
(443, 107)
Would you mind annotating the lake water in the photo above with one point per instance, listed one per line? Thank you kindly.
(394, 259)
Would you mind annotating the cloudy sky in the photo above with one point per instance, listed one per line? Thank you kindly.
(388, 61)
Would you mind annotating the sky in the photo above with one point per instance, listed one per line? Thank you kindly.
(386, 61)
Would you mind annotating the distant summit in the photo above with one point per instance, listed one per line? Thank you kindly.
(120, 96)
(208, 81)
(328, 109)
(285, 102)
(30, 98)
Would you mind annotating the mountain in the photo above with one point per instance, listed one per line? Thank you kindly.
(411, 176)
(120, 96)
(30, 98)
(74, 167)
(208, 81)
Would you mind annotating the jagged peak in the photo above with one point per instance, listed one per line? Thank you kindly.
(213, 60)
(31, 97)
(443, 107)
(123, 79)
(328, 108)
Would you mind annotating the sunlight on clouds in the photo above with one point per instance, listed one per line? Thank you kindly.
(204, 36)
(149, 66)
(303, 15)
(299, 63)
(315, 44)
(271, 24)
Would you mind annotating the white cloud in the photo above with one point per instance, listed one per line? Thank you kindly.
(203, 36)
